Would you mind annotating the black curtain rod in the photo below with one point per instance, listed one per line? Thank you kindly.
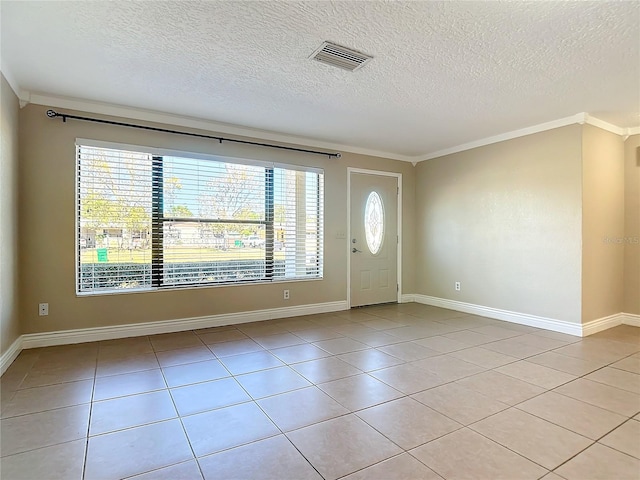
(64, 116)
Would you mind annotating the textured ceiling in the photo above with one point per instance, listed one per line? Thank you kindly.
(443, 73)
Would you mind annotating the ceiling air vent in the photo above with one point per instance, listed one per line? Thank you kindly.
(340, 57)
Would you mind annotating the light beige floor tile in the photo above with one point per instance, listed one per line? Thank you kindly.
(616, 378)
(524, 329)
(459, 403)
(123, 347)
(296, 324)
(190, 373)
(401, 467)
(408, 351)
(39, 399)
(383, 324)
(182, 471)
(501, 387)
(483, 357)
(408, 423)
(603, 396)
(496, 332)
(539, 375)
(250, 362)
(564, 363)
(466, 322)
(565, 337)
(51, 376)
(336, 346)
(228, 427)
(132, 411)
(625, 438)
(279, 340)
(408, 378)
(64, 461)
(629, 364)
(538, 440)
(212, 337)
(299, 353)
(442, 344)
(513, 348)
(128, 384)
(208, 396)
(37, 430)
(261, 329)
(587, 420)
(353, 330)
(126, 364)
(342, 445)
(271, 382)
(359, 391)
(600, 463)
(598, 349)
(300, 408)
(325, 370)
(419, 330)
(377, 339)
(466, 455)
(136, 450)
(469, 338)
(174, 341)
(180, 356)
(370, 359)
(552, 476)
(543, 342)
(270, 459)
(622, 333)
(317, 334)
(448, 368)
(235, 347)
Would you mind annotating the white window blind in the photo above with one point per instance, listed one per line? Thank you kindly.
(149, 221)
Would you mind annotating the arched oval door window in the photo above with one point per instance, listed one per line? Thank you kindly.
(374, 222)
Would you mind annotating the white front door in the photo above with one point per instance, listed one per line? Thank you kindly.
(373, 239)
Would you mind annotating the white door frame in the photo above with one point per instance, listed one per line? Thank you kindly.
(398, 176)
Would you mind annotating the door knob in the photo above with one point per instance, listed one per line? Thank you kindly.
(355, 250)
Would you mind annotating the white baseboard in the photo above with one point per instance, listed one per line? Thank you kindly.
(64, 337)
(600, 324)
(506, 315)
(407, 298)
(631, 319)
(10, 355)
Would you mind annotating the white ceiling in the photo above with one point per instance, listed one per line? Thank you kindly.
(443, 73)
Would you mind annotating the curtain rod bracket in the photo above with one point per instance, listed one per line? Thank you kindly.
(54, 114)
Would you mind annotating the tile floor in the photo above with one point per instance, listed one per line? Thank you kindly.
(391, 392)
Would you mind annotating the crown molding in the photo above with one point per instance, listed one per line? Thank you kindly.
(579, 118)
(542, 127)
(122, 111)
(609, 127)
(197, 123)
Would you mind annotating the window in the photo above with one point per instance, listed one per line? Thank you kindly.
(374, 222)
(150, 221)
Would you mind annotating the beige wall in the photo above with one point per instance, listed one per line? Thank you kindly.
(47, 211)
(602, 223)
(632, 225)
(505, 221)
(9, 319)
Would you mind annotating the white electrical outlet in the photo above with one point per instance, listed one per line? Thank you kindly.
(286, 294)
(457, 286)
(43, 309)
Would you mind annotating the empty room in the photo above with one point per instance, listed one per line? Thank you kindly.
(282, 240)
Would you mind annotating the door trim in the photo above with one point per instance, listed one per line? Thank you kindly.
(398, 176)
